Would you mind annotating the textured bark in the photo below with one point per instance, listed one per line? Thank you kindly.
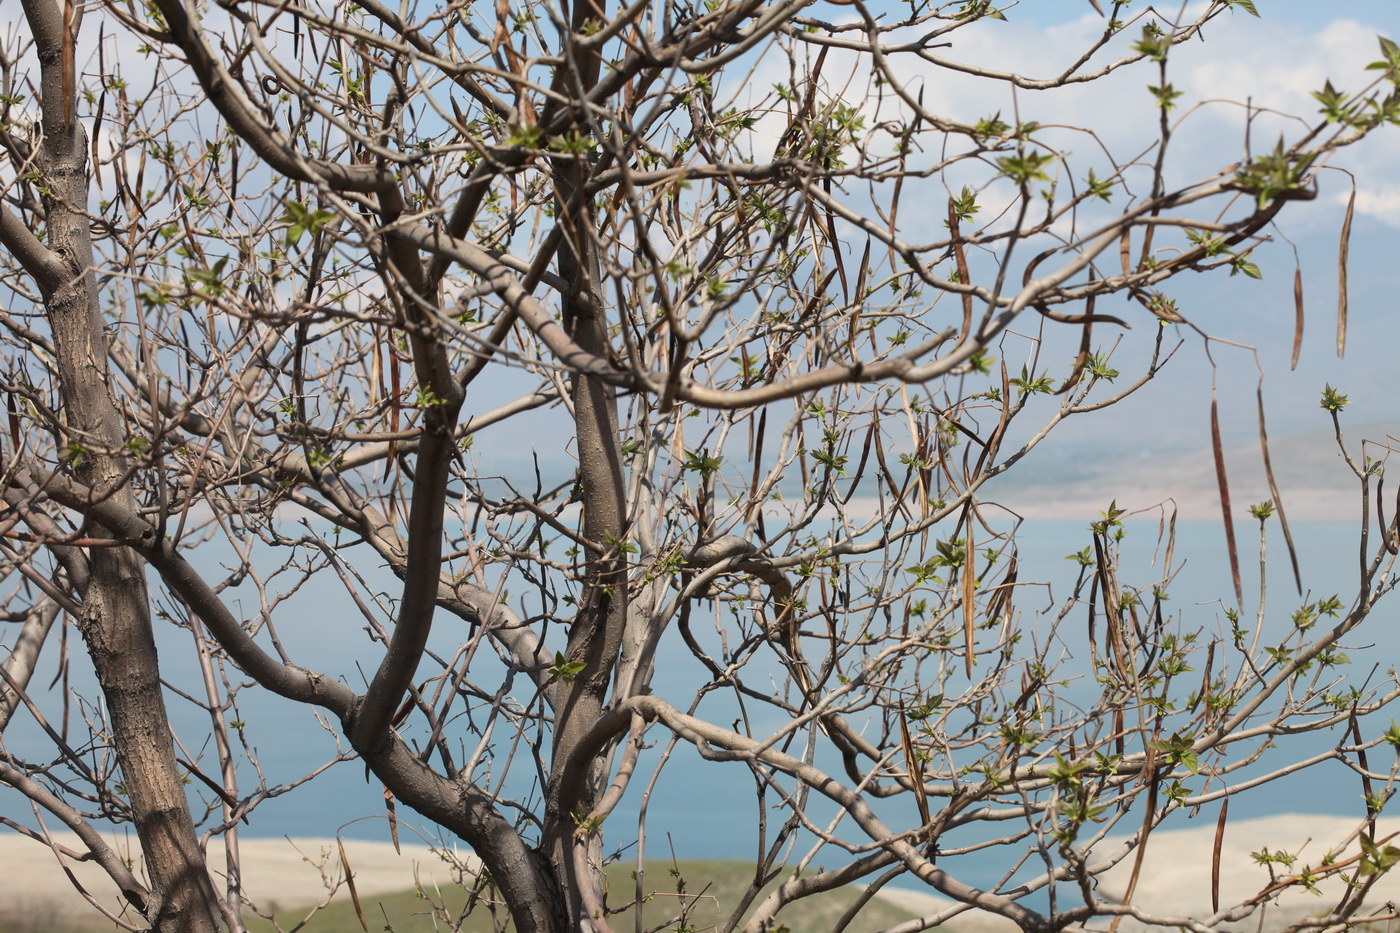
(596, 637)
(115, 619)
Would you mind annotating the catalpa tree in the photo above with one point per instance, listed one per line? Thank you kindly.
(295, 290)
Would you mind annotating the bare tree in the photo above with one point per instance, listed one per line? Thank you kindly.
(289, 280)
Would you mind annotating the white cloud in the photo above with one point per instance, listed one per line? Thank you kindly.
(1240, 67)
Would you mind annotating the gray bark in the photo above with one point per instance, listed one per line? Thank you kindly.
(115, 619)
(595, 639)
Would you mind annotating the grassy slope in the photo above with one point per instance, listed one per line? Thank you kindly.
(710, 890)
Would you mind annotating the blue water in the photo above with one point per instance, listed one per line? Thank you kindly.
(704, 809)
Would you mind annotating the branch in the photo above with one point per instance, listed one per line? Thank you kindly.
(739, 747)
(414, 36)
(115, 866)
(456, 804)
(24, 657)
(379, 449)
(422, 575)
(36, 258)
(272, 147)
(422, 571)
(285, 680)
(541, 322)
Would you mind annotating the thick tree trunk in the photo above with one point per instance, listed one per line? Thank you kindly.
(115, 621)
(596, 637)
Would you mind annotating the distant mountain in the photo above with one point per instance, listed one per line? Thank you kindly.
(1313, 479)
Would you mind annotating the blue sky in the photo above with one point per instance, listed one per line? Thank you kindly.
(1285, 53)
(1305, 12)
(1275, 61)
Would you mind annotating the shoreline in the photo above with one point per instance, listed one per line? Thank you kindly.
(1175, 878)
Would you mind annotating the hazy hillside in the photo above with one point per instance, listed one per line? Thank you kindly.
(1315, 482)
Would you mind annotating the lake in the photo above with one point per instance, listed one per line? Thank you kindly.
(705, 809)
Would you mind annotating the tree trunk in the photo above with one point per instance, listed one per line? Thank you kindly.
(596, 637)
(115, 620)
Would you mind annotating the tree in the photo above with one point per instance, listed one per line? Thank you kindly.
(284, 279)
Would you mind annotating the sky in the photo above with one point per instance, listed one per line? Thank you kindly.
(1273, 61)
(1276, 61)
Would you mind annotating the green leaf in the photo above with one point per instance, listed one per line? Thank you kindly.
(1209, 243)
(1098, 368)
(989, 127)
(979, 8)
(301, 220)
(701, 463)
(965, 204)
(1031, 384)
(1332, 400)
(1026, 168)
(1152, 44)
(1098, 187)
(1082, 558)
(1377, 860)
(1277, 173)
(1240, 264)
(1166, 95)
(209, 282)
(950, 553)
(1392, 735)
(565, 671)
(1390, 62)
(528, 137)
(1334, 104)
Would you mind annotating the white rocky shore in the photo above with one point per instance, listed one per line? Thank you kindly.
(1175, 879)
(276, 873)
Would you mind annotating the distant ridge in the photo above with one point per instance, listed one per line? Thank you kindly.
(1315, 482)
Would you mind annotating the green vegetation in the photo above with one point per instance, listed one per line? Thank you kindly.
(47, 921)
(692, 896)
(705, 891)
